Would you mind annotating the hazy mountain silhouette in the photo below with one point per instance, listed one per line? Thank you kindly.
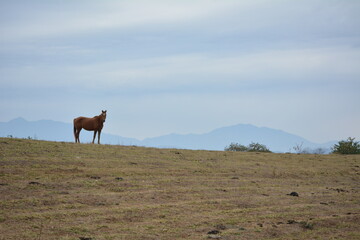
(218, 139)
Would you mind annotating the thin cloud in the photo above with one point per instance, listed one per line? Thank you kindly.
(51, 20)
(197, 71)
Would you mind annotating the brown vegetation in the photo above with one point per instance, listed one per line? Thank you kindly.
(52, 190)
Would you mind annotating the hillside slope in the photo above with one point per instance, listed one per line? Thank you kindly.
(52, 190)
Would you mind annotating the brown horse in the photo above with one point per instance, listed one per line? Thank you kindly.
(91, 124)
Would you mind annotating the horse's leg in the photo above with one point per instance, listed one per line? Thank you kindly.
(99, 136)
(78, 135)
(94, 136)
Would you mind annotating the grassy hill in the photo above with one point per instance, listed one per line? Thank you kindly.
(52, 190)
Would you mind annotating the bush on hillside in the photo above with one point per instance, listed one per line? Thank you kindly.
(257, 147)
(236, 147)
(252, 147)
(347, 147)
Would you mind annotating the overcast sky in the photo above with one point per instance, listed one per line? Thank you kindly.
(162, 67)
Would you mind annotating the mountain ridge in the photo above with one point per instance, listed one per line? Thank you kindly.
(217, 139)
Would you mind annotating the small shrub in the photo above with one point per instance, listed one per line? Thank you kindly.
(252, 147)
(298, 148)
(307, 225)
(257, 147)
(347, 147)
(236, 147)
(319, 151)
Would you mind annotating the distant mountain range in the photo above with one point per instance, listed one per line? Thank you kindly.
(218, 139)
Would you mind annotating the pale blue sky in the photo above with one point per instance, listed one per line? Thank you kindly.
(163, 67)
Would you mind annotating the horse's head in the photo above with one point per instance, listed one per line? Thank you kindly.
(103, 115)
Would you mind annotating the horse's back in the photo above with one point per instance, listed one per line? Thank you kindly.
(78, 118)
(78, 121)
(86, 123)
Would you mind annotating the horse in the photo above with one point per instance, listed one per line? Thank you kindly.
(90, 124)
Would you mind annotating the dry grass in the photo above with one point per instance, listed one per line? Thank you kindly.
(69, 191)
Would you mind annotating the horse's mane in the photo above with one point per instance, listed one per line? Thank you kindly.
(97, 116)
